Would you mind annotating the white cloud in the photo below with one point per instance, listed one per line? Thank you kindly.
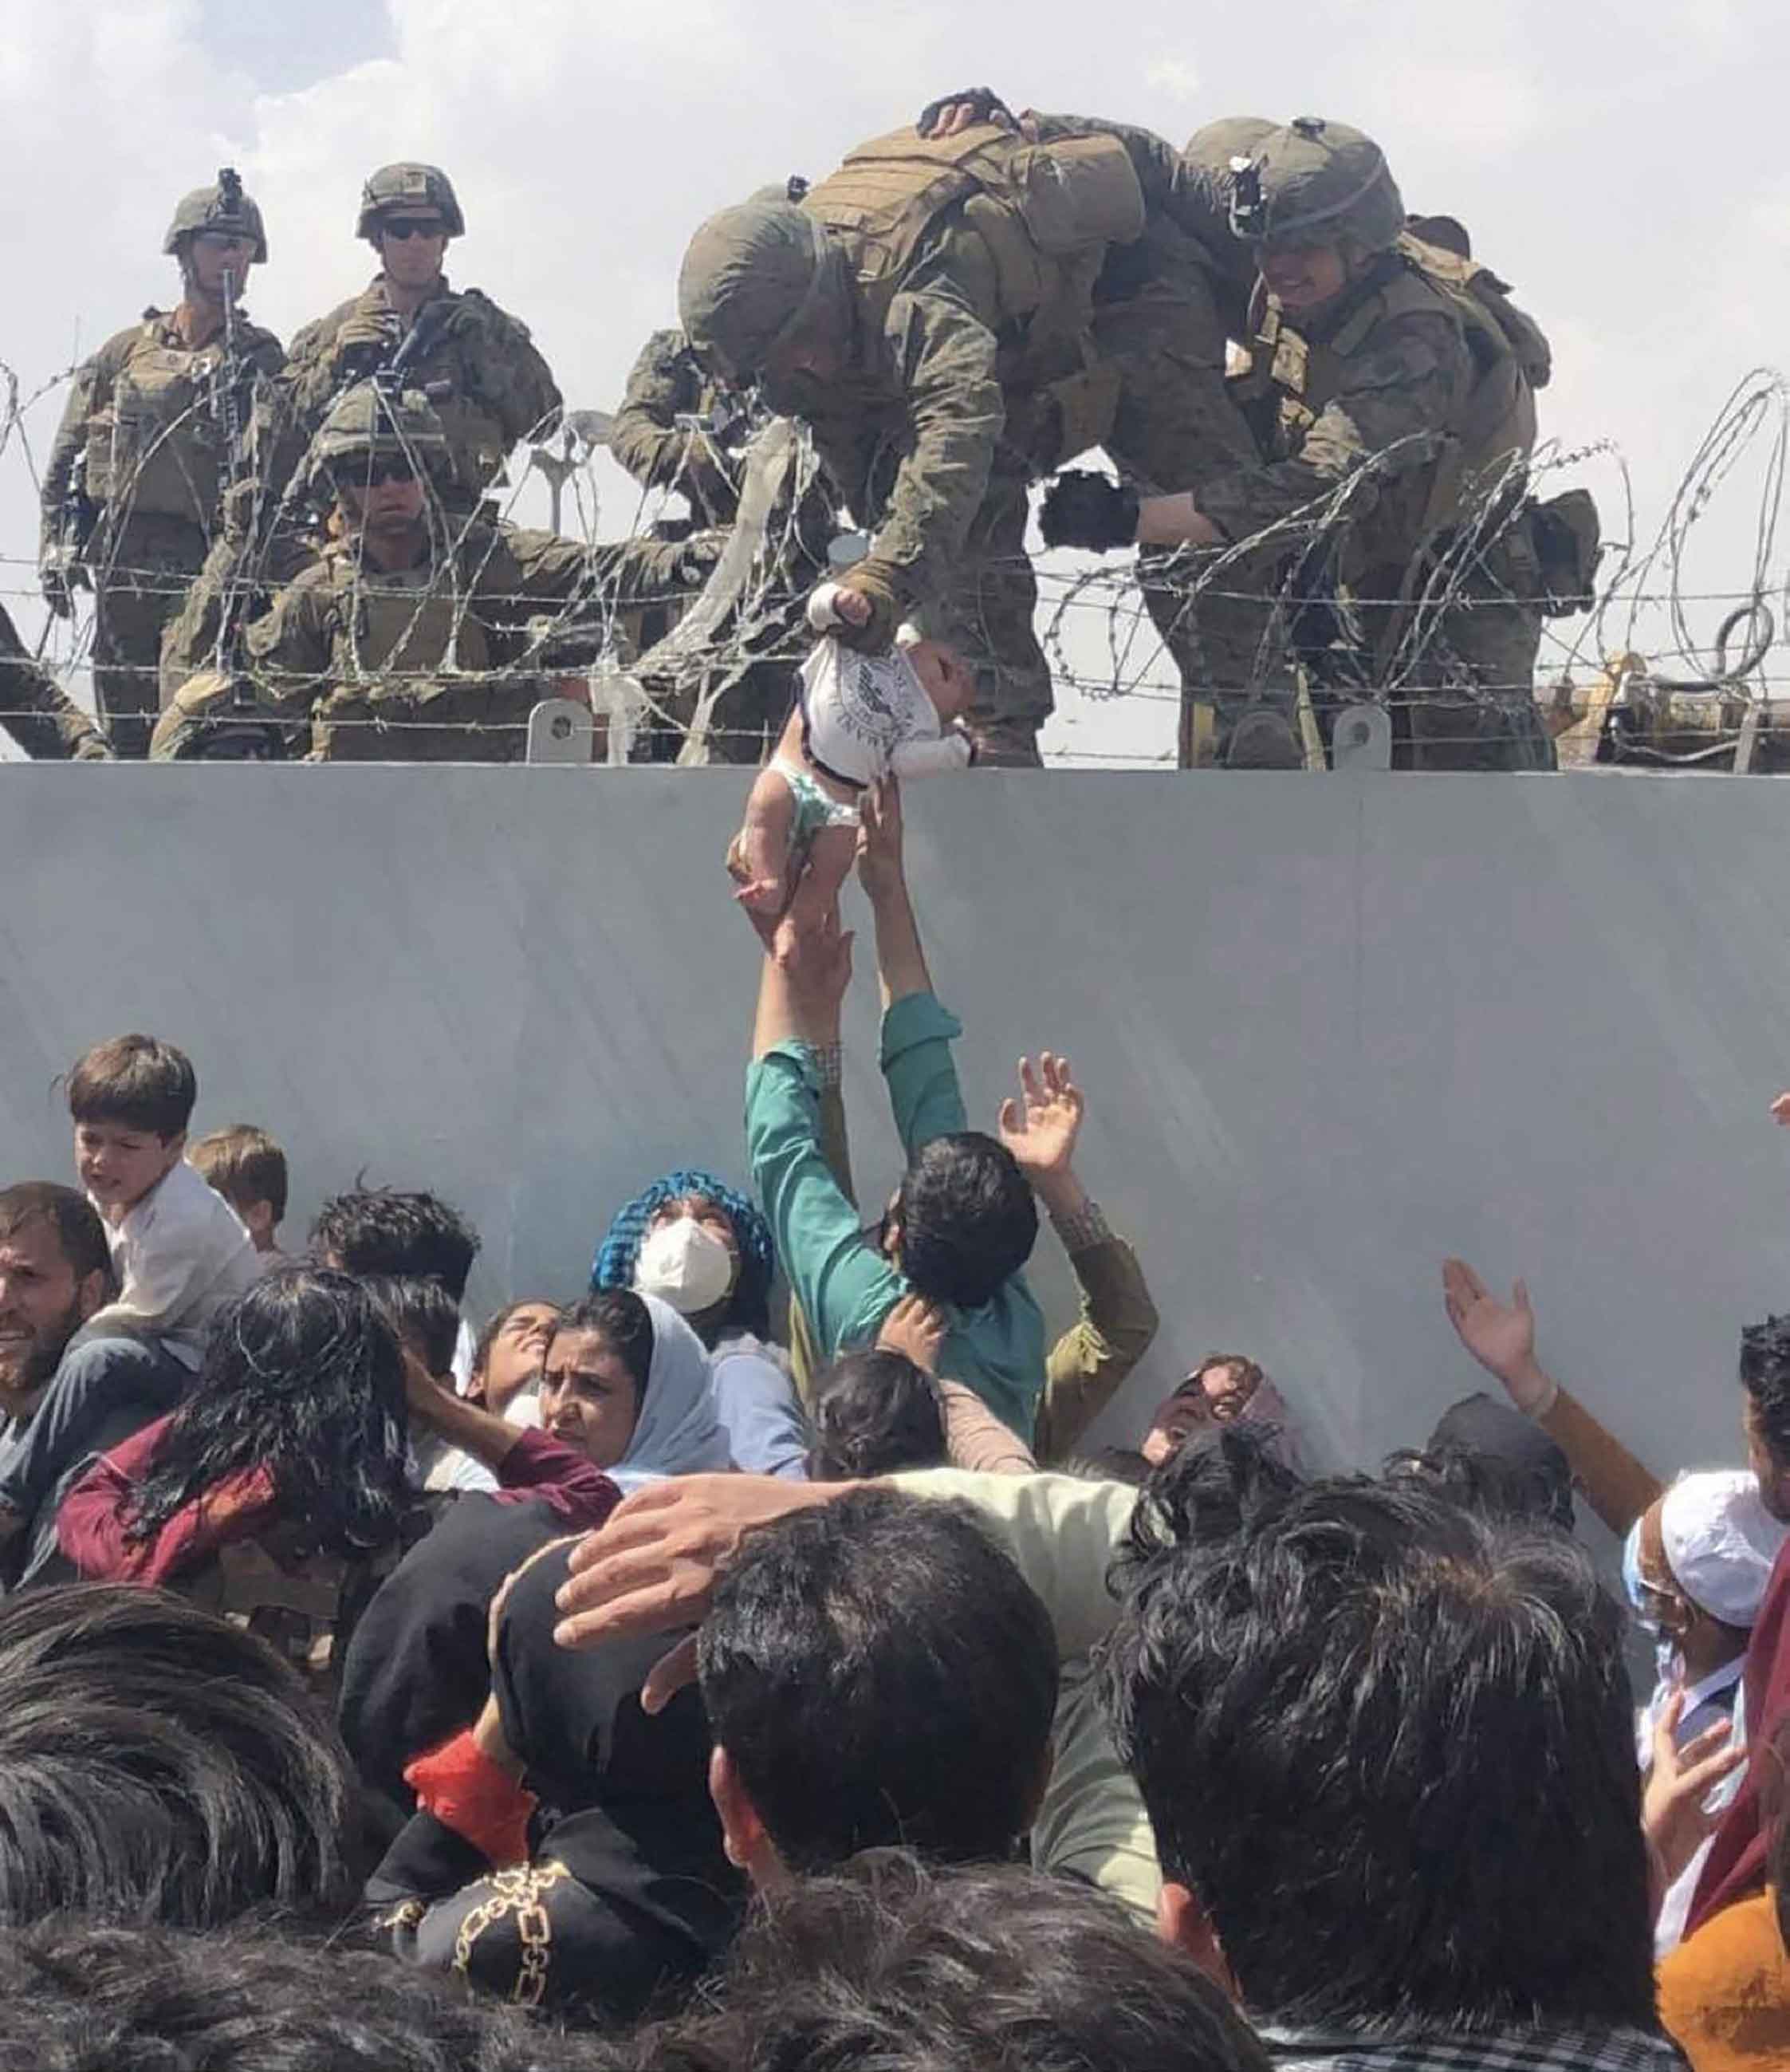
(586, 142)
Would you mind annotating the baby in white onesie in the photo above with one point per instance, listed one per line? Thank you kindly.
(861, 718)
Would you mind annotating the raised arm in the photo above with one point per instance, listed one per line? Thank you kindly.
(1501, 1337)
(901, 961)
(1119, 1321)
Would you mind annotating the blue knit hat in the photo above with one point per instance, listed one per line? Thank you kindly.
(614, 1266)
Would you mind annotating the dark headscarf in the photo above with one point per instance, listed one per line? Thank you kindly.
(1524, 1468)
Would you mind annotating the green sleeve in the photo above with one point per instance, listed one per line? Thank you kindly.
(917, 1062)
(845, 1287)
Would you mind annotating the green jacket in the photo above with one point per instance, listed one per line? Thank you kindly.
(845, 1284)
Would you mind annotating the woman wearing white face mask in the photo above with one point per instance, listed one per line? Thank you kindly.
(696, 1244)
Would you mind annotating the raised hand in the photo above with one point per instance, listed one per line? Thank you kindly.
(1500, 1335)
(1673, 1813)
(917, 1329)
(1042, 1127)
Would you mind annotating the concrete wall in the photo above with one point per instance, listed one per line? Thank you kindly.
(1330, 1030)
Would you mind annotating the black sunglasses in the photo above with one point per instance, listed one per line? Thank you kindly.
(412, 226)
(353, 476)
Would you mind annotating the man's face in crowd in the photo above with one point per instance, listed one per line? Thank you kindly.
(1217, 1395)
(42, 1306)
(1774, 1479)
(119, 1165)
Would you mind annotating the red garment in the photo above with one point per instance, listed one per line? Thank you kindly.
(90, 1525)
(1734, 1867)
(477, 1798)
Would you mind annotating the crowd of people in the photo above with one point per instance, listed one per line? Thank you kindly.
(751, 1659)
(1320, 407)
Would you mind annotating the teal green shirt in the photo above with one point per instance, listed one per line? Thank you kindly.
(845, 1284)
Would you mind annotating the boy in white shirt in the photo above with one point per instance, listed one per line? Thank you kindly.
(862, 718)
(180, 1252)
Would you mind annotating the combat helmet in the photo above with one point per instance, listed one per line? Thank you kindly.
(369, 419)
(1314, 183)
(223, 206)
(408, 186)
(752, 278)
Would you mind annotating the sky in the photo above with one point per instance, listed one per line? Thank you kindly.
(1621, 165)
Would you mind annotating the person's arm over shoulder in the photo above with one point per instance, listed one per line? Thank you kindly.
(924, 1093)
(1117, 1325)
(91, 1524)
(843, 1284)
(1060, 1530)
(976, 1439)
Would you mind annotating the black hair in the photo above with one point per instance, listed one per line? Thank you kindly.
(78, 1995)
(1388, 1743)
(494, 1324)
(80, 1235)
(625, 1325)
(968, 1220)
(890, 1966)
(1765, 1375)
(879, 1673)
(159, 1764)
(138, 1082)
(875, 1411)
(302, 1377)
(419, 1309)
(378, 1230)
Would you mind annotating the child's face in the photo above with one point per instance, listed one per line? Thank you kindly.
(945, 676)
(119, 1165)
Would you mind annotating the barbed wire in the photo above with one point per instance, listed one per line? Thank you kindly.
(1153, 614)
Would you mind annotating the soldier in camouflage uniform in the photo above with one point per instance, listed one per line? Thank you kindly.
(489, 385)
(675, 430)
(140, 458)
(407, 641)
(953, 315)
(37, 712)
(1379, 361)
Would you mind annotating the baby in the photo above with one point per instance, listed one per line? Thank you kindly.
(861, 718)
(180, 1252)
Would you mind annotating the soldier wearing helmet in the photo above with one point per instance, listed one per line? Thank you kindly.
(953, 313)
(1392, 382)
(484, 378)
(133, 486)
(406, 640)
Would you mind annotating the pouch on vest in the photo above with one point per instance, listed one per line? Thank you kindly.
(1568, 542)
(163, 460)
(1522, 334)
(1080, 192)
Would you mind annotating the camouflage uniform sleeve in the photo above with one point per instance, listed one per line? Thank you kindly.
(1397, 391)
(528, 569)
(662, 383)
(508, 374)
(944, 355)
(291, 648)
(89, 391)
(37, 712)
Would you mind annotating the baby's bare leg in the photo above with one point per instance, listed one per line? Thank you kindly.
(829, 858)
(758, 858)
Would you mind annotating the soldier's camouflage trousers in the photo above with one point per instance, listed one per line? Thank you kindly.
(1173, 424)
(140, 574)
(1462, 681)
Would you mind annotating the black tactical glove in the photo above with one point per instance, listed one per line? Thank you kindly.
(1083, 509)
(985, 104)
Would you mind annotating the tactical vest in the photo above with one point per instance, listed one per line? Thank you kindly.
(415, 680)
(1490, 424)
(1047, 214)
(155, 450)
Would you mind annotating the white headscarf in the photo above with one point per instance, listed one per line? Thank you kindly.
(677, 1431)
